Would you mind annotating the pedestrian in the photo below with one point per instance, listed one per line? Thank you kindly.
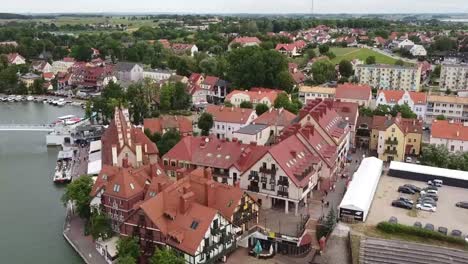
(326, 193)
(322, 201)
(334, 186)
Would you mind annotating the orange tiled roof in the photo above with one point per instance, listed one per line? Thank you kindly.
(449, 130)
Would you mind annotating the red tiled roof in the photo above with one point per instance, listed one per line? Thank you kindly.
(393, 96)
(286, 47)
(110, 137)
(295, 159)
(278, 117)
(210, 80)
(347, 110)
(166, 44)
(48, 75)
(212, 152)
(353, 91)
(298, 77)
(196, 197)
(195, 77)
(449, 130)
(244, 40)
(180, 123)
(407, 125)
(229, 114)
(257, 94)
(181, 46)
(12, 56)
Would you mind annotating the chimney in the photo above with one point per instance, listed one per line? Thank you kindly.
(458, 133)
(114, 155)
(139, 155)
(293, 153)
(125, 163)
(210, 193)
(185, 202)
(207, 173)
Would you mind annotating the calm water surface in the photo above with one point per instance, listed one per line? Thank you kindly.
(31, 214)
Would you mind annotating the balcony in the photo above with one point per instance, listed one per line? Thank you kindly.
(391, 142)
(265, 170)
(283, 193)
(391, 151)
(253, 188)
(283, 182)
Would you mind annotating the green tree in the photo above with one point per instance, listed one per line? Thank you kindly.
(399, 63)
(261, 108)
(89, 110)
(82, 52)
(38, 87)
(365, 111)
(436, 156)
(228, 104)
(323, 71)
(205, 123)
(370, 60)
(444, 44)
(100, 226)
(78, 192)
(165, 256)
(282, 101)
(246, 104)
(324, 49)
(167, 141)
(126, 260)
(310, 54)
(346, 68)
(382, 110)
(405, 111)
(441, 117)
(294, 106)
(128, 246)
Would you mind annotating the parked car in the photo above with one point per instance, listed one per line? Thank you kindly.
(413, 187)
(406, 200)
(426, 207)
(429, 227)
(417, 224)
(424, 191)
(408, 159)
(436, 182)
(456, 233)
(406, 190)
(402, 204)
(462, 205)
(393, 220)
(427, 201)
(429, 187)
(442, 230)
(430, 195)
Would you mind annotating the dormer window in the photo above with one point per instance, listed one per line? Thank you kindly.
(152, 194)
(116, 188)
(104, 177)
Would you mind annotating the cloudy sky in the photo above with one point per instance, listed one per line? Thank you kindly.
(236, 6)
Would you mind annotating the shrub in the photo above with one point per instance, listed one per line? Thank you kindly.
(419, 232)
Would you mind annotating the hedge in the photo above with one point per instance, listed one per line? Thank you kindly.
(420, 232)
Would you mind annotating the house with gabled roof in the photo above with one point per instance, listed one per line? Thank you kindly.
(255, 95)
(245, 42)
(229, 119)
(16, 59)
(195, 216)
(450, 134)
(41, 66)
(122, 141)
(417, 101)
(207, 89)
(355, 93)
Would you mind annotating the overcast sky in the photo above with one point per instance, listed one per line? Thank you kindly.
(235, 6)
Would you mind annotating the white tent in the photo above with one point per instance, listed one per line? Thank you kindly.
(95, 146)
(94, 167)
(361, 190)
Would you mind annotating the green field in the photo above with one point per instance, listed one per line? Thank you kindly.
(361, 54)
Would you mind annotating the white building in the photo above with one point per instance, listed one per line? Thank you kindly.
(417, 101)
(128, 71)
(389, 77)
(308, 93)
(229, 119)
(254, 96)
(257, 133)
(16, 59)
(418, 51)
(452, 107)
(405, 43)
(158, 75)
(360, 194)
(454, 77)
(62, 65)
(450, 134)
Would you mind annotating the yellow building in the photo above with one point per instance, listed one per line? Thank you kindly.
(395, 137)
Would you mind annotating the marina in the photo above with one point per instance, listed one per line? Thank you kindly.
(28, 166)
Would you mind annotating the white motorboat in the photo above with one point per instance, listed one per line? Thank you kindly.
(63, 168)
(30, 98)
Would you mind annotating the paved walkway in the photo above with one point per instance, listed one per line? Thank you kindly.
(83, 245)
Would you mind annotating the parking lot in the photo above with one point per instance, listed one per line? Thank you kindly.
(447, 214)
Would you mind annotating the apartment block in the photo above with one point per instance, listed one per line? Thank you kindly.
(454, 77)
(389, 77)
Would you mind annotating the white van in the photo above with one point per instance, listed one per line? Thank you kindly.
(435, 182)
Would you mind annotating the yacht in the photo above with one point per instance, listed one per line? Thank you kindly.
(30, 98)
(63, 168)
(60, 102)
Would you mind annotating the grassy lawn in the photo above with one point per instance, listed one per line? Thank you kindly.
(361, 54)
(355, 241)
(372, 231)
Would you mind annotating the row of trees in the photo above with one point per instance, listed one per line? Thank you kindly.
(383, 110)
(439, 156)
(129, 253)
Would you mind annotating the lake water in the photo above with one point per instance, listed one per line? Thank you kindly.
(31, 213)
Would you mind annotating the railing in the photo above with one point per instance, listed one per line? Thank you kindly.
(391, 142)
(26, 127)
(283, 182)
(268, 171)
(283, 193)
(391, 151)
(253, 188)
